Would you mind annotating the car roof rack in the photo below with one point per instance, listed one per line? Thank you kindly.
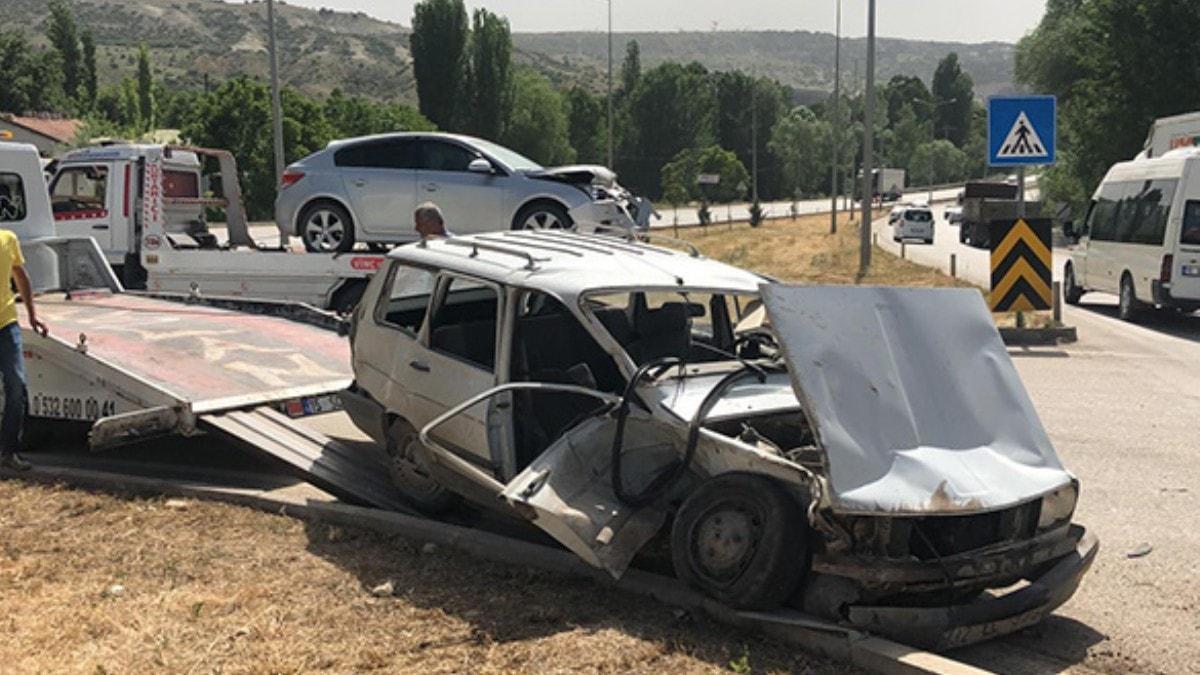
(477, 246)
(531, 244)
(614, 243)
(540, 236)
(649, 238)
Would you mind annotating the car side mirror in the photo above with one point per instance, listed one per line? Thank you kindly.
(480, 165)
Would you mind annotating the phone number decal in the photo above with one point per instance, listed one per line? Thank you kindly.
(70, 408)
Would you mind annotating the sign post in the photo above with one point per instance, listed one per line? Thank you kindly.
(1022, 131)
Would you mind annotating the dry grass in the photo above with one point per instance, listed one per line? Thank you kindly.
(217, 588)
(802, 250)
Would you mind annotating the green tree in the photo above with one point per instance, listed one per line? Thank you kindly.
(237, 116)
(88, 44)
(145, 89)
(743, 101)
(631, 69)
(908, 133)
(130, 115)
(587, 126)
(64, 37)
(439, 50)
(954, 94)
(32, 78)
(490, 74)
(671, 110)
(801, 141)
(1115, 65)
(937, 162)
(906, 90)
(356, 116)
(538, 125)
(680, 176)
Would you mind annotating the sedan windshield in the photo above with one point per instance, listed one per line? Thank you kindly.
(514, 161)
(695, 326)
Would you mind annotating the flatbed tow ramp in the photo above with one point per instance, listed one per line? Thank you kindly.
(136, 367)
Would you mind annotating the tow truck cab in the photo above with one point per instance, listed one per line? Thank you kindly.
(94, 193)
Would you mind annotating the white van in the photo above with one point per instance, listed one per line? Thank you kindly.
(912, 221)
(1141, 238)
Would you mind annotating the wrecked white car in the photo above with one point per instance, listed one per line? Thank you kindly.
(865, 454)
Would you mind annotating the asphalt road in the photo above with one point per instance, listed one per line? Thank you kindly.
(1121, 407)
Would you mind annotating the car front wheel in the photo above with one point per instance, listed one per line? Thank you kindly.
(1071, 290)
(1128, 308)
(742, 540)
(543, 216)
(326, 228)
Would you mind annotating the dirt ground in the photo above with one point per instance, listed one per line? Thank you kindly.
(94, 583)
(802, 250)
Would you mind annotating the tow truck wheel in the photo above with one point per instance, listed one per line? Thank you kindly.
(326, 227)
(543, 216)
(742, 540)
(411, 476)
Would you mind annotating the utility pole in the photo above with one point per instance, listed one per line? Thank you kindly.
(868, 196)
(837, 134)
(754, 140)
(610, 88)
(276, 111)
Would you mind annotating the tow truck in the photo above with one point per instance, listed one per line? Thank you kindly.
(136, 365)
(96, 191)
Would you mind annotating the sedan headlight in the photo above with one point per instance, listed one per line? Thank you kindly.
(1058, 506)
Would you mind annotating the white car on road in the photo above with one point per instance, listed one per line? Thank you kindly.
(365, 189)
(912, 221)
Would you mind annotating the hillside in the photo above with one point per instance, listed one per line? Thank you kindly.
(323, 49)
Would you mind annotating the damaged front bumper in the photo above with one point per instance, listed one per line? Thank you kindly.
(1061, 566)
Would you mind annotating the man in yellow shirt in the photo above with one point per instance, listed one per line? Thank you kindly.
(12, 358)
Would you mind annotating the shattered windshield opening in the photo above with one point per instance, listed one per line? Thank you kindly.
(696, 326)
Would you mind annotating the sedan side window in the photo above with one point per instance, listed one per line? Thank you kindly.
(406, 298)
(388, 153)
(443, 156)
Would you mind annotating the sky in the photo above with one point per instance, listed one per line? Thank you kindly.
(943, 20)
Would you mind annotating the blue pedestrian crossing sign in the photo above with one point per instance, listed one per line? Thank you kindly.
(1021, 130)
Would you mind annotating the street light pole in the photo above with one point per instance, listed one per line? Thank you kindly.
(276, 111)
(610, 88)
(864, 244)
(837, 136)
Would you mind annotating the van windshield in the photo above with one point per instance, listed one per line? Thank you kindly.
(1190, 233)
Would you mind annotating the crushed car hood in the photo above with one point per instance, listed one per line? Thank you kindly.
(578, 174)
(914, 398)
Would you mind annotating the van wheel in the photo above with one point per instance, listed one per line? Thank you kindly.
(742, 540)
(326, 227)
(1071, 291)
(1129, 309)
(410, 474)
(542, 216)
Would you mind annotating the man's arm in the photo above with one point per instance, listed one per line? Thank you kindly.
(26, 291)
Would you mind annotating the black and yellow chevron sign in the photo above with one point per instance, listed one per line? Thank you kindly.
(1021, 263)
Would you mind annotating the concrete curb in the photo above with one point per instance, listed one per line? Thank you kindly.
(1038, 337)
(865, 651)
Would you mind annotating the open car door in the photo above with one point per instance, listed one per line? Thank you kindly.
(913, 397)
(567, 491)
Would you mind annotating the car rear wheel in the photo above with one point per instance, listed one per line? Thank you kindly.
(543, 216)
(742, 540)
(410, 474)
(1071, 290)
(326, 228)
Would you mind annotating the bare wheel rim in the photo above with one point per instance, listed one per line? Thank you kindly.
(542, 220)
(325, 230)
(723, 542)
(410, 471)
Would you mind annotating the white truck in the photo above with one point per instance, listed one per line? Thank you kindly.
(131, 366)
(1172, 133)
(889, 183)
(95, 193)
